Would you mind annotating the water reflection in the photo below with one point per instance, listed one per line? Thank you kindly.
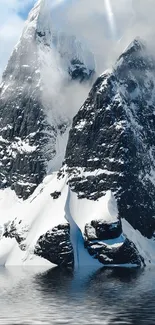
(87, 296)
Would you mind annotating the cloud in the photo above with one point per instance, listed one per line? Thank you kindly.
(108, 26)
(143, 19)
(100, 23)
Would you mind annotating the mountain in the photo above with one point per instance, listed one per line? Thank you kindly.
(36, 110)
(102, 198)
(111, 144)
(88, 201)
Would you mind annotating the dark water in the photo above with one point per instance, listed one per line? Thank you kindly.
(118, 296)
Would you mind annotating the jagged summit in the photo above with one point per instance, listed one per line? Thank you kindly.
(138, 44)
(39, 20)
(40, 8)
(136, 56)
(37, 30)
(36, 11)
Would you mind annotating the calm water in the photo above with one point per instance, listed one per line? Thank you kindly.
(29, 296)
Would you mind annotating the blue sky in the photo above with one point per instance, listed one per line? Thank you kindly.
(23, 12)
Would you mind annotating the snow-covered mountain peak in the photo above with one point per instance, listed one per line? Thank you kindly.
(38, 24)
(40, 9)
(37, 33)
(136, 56)
(138, 44)
(35, 12)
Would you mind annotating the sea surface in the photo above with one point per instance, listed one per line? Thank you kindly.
(31, 296)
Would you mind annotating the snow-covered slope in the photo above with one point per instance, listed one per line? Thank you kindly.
(27, 220)
(55, 225)
(38, 99)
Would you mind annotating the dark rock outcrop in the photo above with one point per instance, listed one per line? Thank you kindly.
(106, 242)
(125, 254)
(56, 247)
(112, 141)
(10, 231)
(76, 54)
(78, 71)
(101, 230)
(55, 195)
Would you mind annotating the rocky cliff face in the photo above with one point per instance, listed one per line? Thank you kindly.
(112, 141)
(56, 247)
(31, 119)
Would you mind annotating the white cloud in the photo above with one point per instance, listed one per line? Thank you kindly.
(101, 23)
(109, 25)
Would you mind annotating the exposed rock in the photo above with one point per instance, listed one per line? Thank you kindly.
(100, 230)
(79, 61)
(124, 254)
(106, 242)
(10, 231)
(78, 71)
(55, 195)
(56, 247)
